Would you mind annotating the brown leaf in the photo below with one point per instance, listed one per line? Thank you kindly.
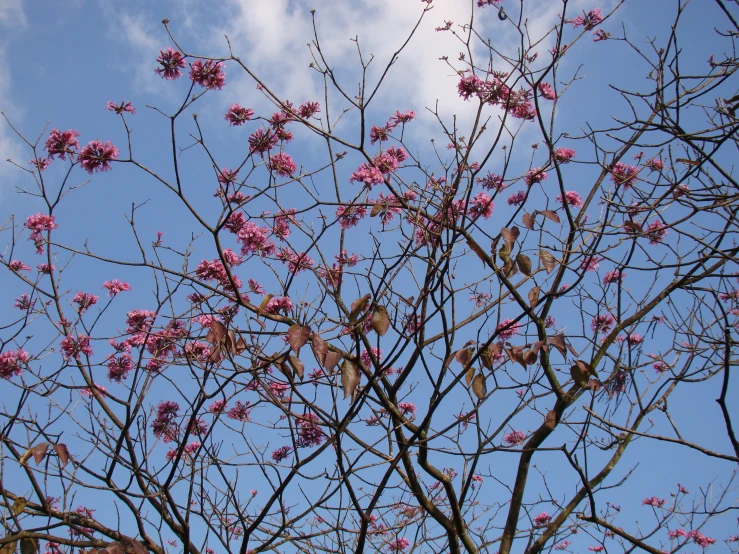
(19, 505)
(240, 345)
(39, 452)
(479, 386)
(320, 349)
(524, 264)
(547, 260)
(358, 307)
(63, 453)
(8, 547)
(477, 250)
(298, 336)
(487, 358)
(550, 214)
(25, 457)
(579, 376)
(377, 209)
(558, 342)
(504, 253)
(534, 296)
(595, 385)
(469, 375)
(551, 421)
(464, 354)
(332, 360)
(218, 333)
(29, 545)
(380, 320)
(632, 227)
(278, 360)
(449, 360)
(349, 378)
(509, 269)
(510, 236)
(586, 367)
(138, 548)
(529, 357)
(529, 220)
(263, 305)
(297, 365)
(116, 548)
(515, 353)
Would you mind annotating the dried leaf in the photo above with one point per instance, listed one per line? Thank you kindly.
(547, 260)
(529, 220)
(349, 378)
(534, 296)
(8, 547)
(632, 227)
(558, 342)
(380, 320)
(115, 548)
(477, 250)
(538, 345)
(29, 545)
(39, 452)
(487, 358)
(551, 421)
(25, 457)
(19, 505)
(464, 354)
(263, 305)
(529, 357)
(320, 349)
(449, 360)
(504, 253)
(524, 264)
(332, 360)
(278, 360)
(358, 307)
(595, 385)
(298, 336)
(240, 345)
(63, 453)
(469, 375)
(377, 209)
(586, 367)
(138, 548)
(510, 236)
(479, 386)
(515, 353)
(509, 269)
(297, 365)
(550, 214)
(218, 333)
(579, 376)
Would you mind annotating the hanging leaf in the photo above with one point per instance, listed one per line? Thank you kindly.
(534, 296)
(551, 421)
(504, 253)
(320, 349)
(377, 209)
(298, 336)
(263, 305)
(464, 354)
(278, 360)
(469, 375)
(217, 334)
(332, 360)
(558, 342)
(524, 264)
(510, 236)
(487, 358)
(581, 373)
(515, 353)
(529, 220)
(595, 385)
(9, 547)
(547, 260)
(39, 452)
(449, 360)
(63, 453)
(529, 357)
(358, 307)
(19, 505)
(586, 367)
(349, 378)
(138, 548)
(115, 548)
(509, 268)
(549, 214)
(380, 320)
(477, 250)
(632, 227)
(29, 545)
(479, 386)
(297, 365)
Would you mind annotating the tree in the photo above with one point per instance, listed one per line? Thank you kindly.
(358, 341)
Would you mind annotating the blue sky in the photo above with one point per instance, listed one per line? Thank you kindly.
(64, 62)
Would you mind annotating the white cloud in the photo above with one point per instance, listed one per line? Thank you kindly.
(12, 15)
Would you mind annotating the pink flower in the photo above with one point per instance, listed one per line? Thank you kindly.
(469, 86)
(653, 501)
(11, 362)
(369, 175)
(590, 263)
(517, 198)
(599, 548)
(408, 409)
(45, 269)
(97, 156)
(296, 262)
(536, 175)
(171, 62)
(483, 3)
(73, 347)
(564, 155)
(572, 198)
(120, 108)
(367, 360)
(507, 329)
(309, 431)
(40, 163)
(399, 118)
(660, 366)
(24, 303)
(84, 300)
(700, 539)
(237, 116)
(588, 20)
(216, 271)
(602, 324)
(116, 286)
(140, 321)
(17, 265)
(481, 205)
(217, 407)
(389, 160)
(254, 239)
(656, 232)
(634, 338)
(562, 545)
(209, 75)
(542, 519)
(282, 164)
(120, 367)
(546, 90)
(600, 34)
(282, 304)
(655, 164)
(480, 298)
(398, 545)
(227, 176)
(624, 175)
(281, 453)
(240, 412)
(309, 109)
(379, 134)
(349, 216)
(491, 182)
(515, 438)
(262, 141)
(61, 143)
(613, 276)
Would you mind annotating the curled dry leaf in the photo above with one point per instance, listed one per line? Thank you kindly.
(510, 236)
(358, 307)
(8, 547)
(534, 296)
(479, 386)
(297, 365)
(63, 453)
(469, 376)
(30, 545)
(464, 354)
(529, 220)
(349, 378)
(380, 320)
(558, 342)
(550, 214)
(515, 353)
(332, 360)
(138, 548)
(581, 373)
(477, 250)
(547, 260)
(509, 269)
(377, 209)
(529, 357)
(504, 253)
(263, 305)
(298, 336)
(524, 264)
(320, 349)
(39, 452)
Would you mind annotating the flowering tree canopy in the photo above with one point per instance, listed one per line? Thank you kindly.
(513, 337)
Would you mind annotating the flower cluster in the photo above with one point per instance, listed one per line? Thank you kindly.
(73, 347)
(624, 175)
(572, 198)
(84, 300)
(12, 362)
(589, 20)
(602, 324)
(309, 431)
(507, 329)
(164, 425)
(37, 224)
(115, 286)
(237, 116)
(171, 61)
(97, 156)
(209, 75)
(515, 438)
(120, 108)
(61, 143)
